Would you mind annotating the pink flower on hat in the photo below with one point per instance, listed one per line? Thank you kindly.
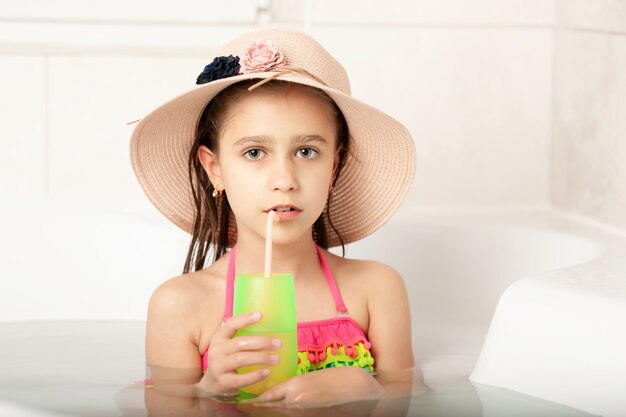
(261, 57)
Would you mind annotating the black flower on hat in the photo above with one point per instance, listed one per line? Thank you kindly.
(221, 67)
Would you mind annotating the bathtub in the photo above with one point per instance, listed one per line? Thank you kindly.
(522, 309)
(533, 301)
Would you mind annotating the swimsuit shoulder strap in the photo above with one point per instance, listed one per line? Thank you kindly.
(230, 285)
(330, 280)
(332, 284)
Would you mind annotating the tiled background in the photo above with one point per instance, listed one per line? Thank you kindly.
(510, 102)
(589, 114)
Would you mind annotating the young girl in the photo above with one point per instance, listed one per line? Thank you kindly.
(273, 127)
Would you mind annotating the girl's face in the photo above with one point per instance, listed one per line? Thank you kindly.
(276, 148)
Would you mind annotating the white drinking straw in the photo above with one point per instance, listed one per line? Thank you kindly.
(268, 243)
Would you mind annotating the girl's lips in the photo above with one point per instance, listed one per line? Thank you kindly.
(286, 215)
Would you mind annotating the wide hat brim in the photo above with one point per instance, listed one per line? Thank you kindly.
(372, 185)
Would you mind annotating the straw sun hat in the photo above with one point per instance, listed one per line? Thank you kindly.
(378, 171)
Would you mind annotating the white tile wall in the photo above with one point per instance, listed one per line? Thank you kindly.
(150, 11)
(473, 81)
(477, 102)
(589, 147)
(347, 13)
(113, 38)
(433, 12)
(23, 144)
(500, 112)
(598, 15)
(91, 100)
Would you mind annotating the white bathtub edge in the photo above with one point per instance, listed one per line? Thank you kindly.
(560, 336)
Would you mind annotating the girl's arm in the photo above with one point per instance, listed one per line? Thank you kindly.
(390, 331)
(173, 356)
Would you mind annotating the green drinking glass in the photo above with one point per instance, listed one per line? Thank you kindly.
(273, 296)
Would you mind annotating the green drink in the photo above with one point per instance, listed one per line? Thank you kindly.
(273, 296)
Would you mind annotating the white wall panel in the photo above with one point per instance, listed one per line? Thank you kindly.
(180, 11)
(477, 102)
(23, 144)
(91, 100)
(589, 146)
(471, 80)
(597, 15)
(51, 37)
(434, 12)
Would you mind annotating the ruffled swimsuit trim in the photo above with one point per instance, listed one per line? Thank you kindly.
(332, 342)
(329, 343)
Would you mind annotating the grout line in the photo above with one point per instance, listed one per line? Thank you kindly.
(425, 25)
(553, 104)
(595, 31)
(465, 25)
(46, 136)
(308, 19)
(411, 209)
(308, 16)
(309, 23)
(591, 221)
(26, 49)
(130, 22)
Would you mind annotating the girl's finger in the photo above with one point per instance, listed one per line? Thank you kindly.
(231, 363)
(250, 343)
(234, 380)
(230, 326)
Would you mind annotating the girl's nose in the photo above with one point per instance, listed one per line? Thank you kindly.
(283, 176)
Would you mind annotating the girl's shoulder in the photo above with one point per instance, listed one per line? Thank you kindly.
(186, 295)
(368, 288)
(183, 313)
(362, 271)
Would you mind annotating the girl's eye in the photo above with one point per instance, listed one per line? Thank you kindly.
(253, 154)
(307, 153)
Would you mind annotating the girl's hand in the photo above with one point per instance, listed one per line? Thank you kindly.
(226, 354)
(323, 388)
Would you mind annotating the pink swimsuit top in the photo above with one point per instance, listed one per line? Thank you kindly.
(328, 343)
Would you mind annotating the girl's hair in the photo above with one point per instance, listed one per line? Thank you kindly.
(212, 216)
